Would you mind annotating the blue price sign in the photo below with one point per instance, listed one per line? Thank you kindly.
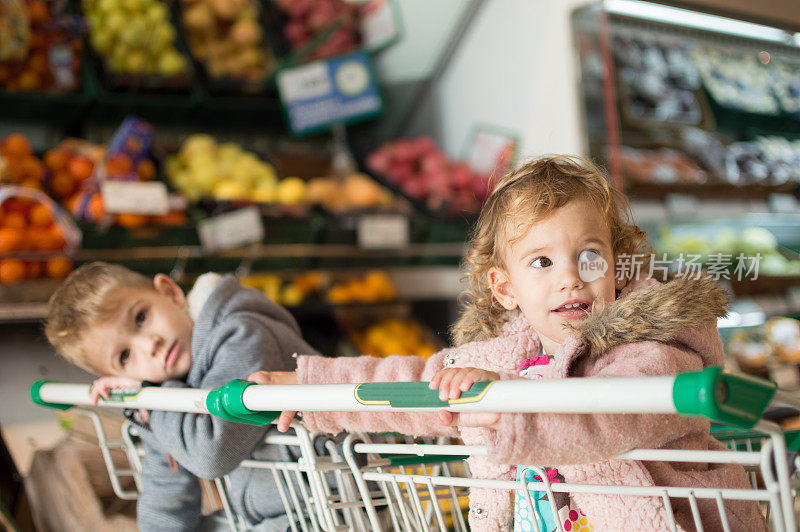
(339, 90)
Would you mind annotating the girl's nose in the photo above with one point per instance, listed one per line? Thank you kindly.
(570, 278)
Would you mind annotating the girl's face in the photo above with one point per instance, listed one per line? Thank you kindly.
(557, 271)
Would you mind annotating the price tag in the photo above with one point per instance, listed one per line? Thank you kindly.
(682, 205)
(135, 197)
(378, 25)
(491, 150)
(382, 231)
(785, 375)
(232, 229)
(338, 90)
(783, 203)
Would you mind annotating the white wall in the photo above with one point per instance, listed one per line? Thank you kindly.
(515, 68)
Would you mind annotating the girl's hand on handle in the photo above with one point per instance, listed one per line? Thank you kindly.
(452, 381)
(102, 387)
(277, 377)
(489, 420)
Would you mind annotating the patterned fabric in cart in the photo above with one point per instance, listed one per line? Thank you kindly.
(571, 518)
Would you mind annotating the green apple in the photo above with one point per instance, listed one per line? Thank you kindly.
(115, 22)
(102, 40)
(157, 12)
(171, 63)
(136, 62)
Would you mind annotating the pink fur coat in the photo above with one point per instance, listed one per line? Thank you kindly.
(651, 329)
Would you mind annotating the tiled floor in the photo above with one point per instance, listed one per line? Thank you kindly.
(25, 356)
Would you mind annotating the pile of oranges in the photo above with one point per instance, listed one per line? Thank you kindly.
(18, 164)
(26, 225)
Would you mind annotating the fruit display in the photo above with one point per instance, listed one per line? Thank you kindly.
(309, 20)
(394, 337)
(766, 160)
(48, 56)
(34, 236)
(420, 169)
(736, 79)
(777, 341)
(373, 287)
(346, 194)
(786, 84)
(19, 165)
(660, 166)
(226, 37)
(134, 37)
(289, 293)
(658, 79)
(203, 168)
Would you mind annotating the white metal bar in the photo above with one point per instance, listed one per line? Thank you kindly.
(609, 395)
(190, 400)
(673, 526)
(723, 514)
(698, 524)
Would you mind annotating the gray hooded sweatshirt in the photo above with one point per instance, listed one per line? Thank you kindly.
(238, 331)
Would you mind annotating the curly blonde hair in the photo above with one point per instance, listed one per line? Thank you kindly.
(518, 200)
(84, 299)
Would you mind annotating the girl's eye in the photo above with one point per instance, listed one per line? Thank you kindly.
(140, 317)
(124, 355)
(541, 262)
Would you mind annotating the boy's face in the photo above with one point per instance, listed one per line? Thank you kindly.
(566, 258)
(149, 336)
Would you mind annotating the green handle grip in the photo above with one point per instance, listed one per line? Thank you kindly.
(226, 402)
(732, 399)
(37, 398)
(414, 394)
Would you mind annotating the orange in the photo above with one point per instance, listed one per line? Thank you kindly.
(32, 168)
(146, 170)
(34, 269)
(80, 167)
(57, 159)
(15, 220)
(58, 267)
(17, 145)
(58, 239)
(62, 183)
(10, 239)
(29, 81)
(95, 209)
(131, 221)
(11, 271)
(42, 239)
(40, 216)
(38, 64)
(119, 165)
(38, 12)
(31, 183)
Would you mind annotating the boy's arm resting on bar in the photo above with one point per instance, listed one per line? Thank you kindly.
(207, 445)
(395, 368)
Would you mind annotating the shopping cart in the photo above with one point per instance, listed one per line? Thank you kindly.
(422, 486)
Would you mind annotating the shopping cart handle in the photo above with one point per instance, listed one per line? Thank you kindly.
(733, 399)
(414, 394)
(36, 396)
(226, 402)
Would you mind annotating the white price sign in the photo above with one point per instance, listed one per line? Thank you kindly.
(783, 203)
(376, 231)
(232, 229)
(135, 197)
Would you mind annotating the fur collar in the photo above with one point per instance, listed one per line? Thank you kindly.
(652, 311)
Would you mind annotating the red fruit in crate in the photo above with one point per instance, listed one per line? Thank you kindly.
(322, 16)
(434, 162)
(57, 159)
(296, 32)
(480, 187)
(80, 167)
(401, 172)
(378, 161)
(300, 8)
(417, 189)
(438, 182)
(11, 271)
(425, 145)
(34, 269)
(403, 150)
(16, 145)
(462, 176)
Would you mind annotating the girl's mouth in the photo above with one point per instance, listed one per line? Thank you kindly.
(172, 355)
(573, 310)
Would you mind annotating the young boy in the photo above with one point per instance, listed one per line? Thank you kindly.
(132, 329)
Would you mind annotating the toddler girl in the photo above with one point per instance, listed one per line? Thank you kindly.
(545, 301)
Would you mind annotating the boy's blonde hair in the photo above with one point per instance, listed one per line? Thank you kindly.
(520, 199)
(83, 300)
